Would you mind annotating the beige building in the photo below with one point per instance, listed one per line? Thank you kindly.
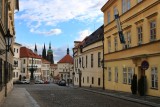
(16, 62)
(45, 69)
(140, 21)
(7, 9)
(88, 55)
(65, 67)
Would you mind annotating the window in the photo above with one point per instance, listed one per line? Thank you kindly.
(152, 31)
(24, 61)
(16, 74)
(92, 80)
(128, 40)
(77, 63)
(140, 35)
(17, 50)
(23, 70)
(109, 45)
(154, 77)
(86, 61)
(116, 74)
(125, 75)
(115, 10)
(13, 74)
(99, 59)
(108, 17)
(99, 81)
(14, 49)
(130, 75)
(82, 63)
(91, 60)
(115, 44)
(109, 74)
(126, 5)
(83, 79)
(87, 79)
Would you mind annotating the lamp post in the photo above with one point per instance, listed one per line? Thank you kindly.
(102, 63)
(8, 40)
(32, 68)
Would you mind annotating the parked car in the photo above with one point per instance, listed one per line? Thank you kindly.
(39, 82)
(17, 82)
(25, 81)
(62, 83)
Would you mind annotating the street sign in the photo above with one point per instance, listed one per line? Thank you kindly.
(144, 65)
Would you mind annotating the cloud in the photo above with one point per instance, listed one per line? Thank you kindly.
(82, 34)
(51, 12)
(47, 33)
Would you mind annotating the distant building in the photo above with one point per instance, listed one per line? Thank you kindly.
(45, 69)
(49, 55)
(28, 57)
(16, 62)
(65, 67)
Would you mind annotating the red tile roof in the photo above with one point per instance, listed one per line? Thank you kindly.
(44, 61)
(66, 59)
(25, 52)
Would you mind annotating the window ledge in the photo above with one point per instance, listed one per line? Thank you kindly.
(154, 88)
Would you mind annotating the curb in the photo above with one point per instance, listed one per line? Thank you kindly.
(123, 97)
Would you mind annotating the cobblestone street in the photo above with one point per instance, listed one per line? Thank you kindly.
(52, 95)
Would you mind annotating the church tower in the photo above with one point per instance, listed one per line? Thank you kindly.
(35, 49)
(50, 55)
(44, 52)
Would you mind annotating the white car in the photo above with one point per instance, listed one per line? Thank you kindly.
(25, 81)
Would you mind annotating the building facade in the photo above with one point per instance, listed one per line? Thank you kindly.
(7, 9)
(65, 67)
(88, 55)
(29, 59)
(140, 22)
(45, 69)
(16, 62)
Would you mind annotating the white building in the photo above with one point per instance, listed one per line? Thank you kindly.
(45, 69)
(29, 59)
(65, 67)
(16, 61)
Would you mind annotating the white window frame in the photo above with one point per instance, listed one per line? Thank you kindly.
(130, 74)
(154, 77)
(124, 75)
(109, 45)
(153, 30)
(126, 5)
(116, 43)
(140, 34)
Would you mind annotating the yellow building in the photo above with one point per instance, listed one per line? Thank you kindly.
(87, 60)
(140, 21)
(7, 9)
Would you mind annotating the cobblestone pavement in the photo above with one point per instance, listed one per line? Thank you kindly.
(52, 95)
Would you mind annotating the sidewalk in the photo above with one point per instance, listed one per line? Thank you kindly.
(146, 100)
(19, 97)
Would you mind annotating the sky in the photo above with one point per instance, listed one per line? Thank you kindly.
(59, 22)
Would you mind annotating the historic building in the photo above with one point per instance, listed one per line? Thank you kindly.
(45, 69)
(140, 54)
(16, 62)
(88, 55)
(49, 55)
(29, 59)
(65, 67)
(7, 28)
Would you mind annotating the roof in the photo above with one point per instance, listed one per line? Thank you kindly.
(44, 61)
(66, 59)
(25, 52)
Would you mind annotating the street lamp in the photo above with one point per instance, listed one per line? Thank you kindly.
(32, 68)
(8, 40)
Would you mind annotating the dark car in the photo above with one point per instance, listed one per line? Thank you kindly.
(62, 83)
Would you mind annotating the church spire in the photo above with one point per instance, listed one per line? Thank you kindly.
(35, 49)
(67, 50)
(50, 45)
(44, 52)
